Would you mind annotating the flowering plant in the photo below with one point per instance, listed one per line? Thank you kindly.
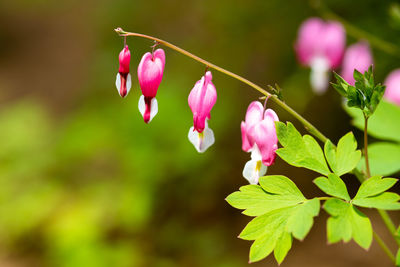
(282, 213)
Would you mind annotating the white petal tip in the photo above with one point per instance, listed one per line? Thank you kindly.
(201, 141)
(253, 170)
(153, 108)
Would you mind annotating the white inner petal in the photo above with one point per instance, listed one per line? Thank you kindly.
(201, 141)
(142, 105)
(253, 170)
(154, 108)
(319, 76)
(128, 83)
(118, 82)
(255, 153)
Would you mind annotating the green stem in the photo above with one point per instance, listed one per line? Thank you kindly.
(384, 247)
(366, 146)
(311, 128)
(384, 215)
(389, 224)
(356, 32)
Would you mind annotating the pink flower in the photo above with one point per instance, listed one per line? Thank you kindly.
(358, 56)
(124, 81)
(392, 83)
(320, 45)
(254, 115)
(201, 100)
(150, 73)
(259, 137)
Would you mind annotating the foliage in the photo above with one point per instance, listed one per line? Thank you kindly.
(283, 213)
(365, 94)
(289, 214)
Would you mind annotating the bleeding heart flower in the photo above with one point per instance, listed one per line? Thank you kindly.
(358, 56)
(150, 73)
(392, 83)
(320, 45)
(201, 100)
(259, 137)
(124, 81)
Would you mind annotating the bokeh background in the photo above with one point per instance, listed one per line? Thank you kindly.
(84, 182)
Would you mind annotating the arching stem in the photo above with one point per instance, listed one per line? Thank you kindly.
(311, 128)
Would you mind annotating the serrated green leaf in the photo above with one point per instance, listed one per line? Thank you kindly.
(301, 221)
(282, 212)
(384, 158)
(300, 151)
(385, 201)
(255, 201)
(347, 222)
(283, 245)
(385, 124)
(333, 186)
(281, 185)
(268, 230)
(374, 186)
(345, 157)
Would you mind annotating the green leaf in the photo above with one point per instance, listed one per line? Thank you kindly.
(283, 245)
(345, 157)
(255, 201)
(346, 223)
(384, 158)
(333, 186)
(385, 201)
(364, 95)
(300, 151)
(269, 230)
(374, 186)
(371, 194)
(398, 258)
(283, 212)
(301, 221)
(385, 124)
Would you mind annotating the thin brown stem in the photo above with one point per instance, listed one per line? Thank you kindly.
(366, 146)
(311, 128)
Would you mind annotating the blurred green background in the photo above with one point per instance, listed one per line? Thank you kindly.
(84, 182)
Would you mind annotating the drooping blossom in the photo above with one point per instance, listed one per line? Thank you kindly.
(357, 56)
(259, 137)
(392, 83)
(201, 100)
(320, 45)
(150, 73)
(124, 80)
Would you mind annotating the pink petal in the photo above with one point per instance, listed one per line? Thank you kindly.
(358, 56)
(150, 72)
(392, 83)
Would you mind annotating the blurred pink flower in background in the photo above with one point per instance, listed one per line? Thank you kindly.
(392, 83)
(150, 74)
(357, 56)
(320, 45)
(201, 100)
(124, 81)
(259, 137)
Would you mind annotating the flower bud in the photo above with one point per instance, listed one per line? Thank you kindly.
(150, 74)
(124, 80)
(201, 100)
